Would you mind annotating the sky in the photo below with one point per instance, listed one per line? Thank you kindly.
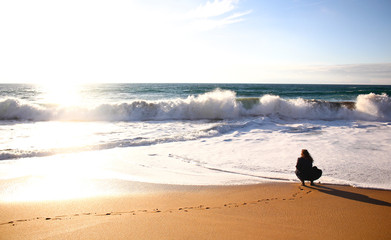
(198, 41)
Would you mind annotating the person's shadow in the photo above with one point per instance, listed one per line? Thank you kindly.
(349, 195)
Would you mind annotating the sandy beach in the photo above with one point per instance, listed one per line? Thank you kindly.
(264, 211)
(195, 120)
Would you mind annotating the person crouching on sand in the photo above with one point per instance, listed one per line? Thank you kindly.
(305, 170)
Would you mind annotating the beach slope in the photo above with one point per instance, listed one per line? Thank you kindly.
(265, 211)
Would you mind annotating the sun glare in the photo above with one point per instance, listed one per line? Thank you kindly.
(53, 178)
(66, 94)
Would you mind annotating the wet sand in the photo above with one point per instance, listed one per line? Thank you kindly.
(264, 211)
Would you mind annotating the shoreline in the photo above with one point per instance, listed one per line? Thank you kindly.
(134, 188)
(257, 211)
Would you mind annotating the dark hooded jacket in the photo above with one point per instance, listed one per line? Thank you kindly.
(304, 168)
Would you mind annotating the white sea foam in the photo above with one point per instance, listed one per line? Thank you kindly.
(16, 109)
(218, 104)
(374, 106)
(300, 109)
(260, 150)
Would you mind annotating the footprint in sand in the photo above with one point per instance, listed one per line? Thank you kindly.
(156, 210)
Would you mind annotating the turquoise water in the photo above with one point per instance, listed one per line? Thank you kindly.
(168, 91)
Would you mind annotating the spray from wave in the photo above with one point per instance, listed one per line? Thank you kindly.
(218, 104)
(375, 106)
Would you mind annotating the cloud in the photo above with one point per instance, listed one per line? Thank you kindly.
(371, 73)
(375, 69)
(213, 9)
(216, 14)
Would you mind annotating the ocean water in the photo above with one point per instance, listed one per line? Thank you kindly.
(192, 134)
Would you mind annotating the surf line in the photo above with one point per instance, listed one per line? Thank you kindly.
(199, 164)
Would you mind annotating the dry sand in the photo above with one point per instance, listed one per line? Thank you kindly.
(265, 211)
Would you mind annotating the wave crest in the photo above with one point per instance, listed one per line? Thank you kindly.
(218, 104)
(14, 109)
(375, 106)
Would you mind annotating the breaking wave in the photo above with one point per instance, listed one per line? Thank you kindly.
(218, 104)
